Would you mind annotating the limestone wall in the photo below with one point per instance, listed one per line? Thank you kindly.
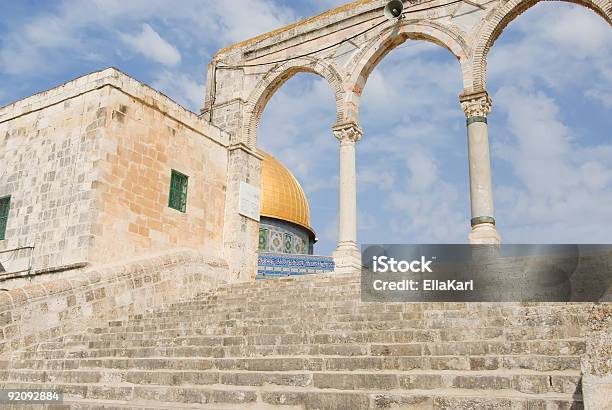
(143, 144)
(597, 362)
(47, 168)
(50, 310)
(87, 166)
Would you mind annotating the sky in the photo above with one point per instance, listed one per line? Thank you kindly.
(550, 77)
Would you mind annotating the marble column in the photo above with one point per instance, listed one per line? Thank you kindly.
(476, 107)
(347, 256)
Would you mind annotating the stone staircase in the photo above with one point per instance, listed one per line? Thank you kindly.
(309, 342)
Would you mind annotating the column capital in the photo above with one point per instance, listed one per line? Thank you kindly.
(347, 133)
(476, 104)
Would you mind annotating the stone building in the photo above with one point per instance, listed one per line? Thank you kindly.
(104, 169)
(87, 172)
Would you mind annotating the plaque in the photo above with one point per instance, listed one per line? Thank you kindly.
(248, 202)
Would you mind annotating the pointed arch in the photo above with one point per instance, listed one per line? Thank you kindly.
(366, 61)
(275, 78)
(501, 17)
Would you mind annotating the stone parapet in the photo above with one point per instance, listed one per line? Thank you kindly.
(50, 310)
(112, 77)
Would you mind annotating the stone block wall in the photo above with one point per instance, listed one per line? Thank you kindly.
(87, 166)
(143, 144)
(91, 298)
(597, 362)
(46, 145)
(241, 234)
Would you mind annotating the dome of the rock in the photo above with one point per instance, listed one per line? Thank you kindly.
(285, 213)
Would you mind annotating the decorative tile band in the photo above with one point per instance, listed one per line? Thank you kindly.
(476, 118)
(483, 220)
(289, 265)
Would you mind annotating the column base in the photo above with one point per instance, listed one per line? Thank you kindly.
(484, 234)
(597, 391)
(347, 258)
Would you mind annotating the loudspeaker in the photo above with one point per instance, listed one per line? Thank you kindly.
(394, 9)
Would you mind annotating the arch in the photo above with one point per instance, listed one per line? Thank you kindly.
(365, 61)
(498, 20)
(275, 78)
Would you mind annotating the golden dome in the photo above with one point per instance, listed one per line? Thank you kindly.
(282, 196)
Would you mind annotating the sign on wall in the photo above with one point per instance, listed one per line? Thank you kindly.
(248, 204)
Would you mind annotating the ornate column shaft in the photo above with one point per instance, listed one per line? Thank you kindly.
(347, 256)
(476, 107)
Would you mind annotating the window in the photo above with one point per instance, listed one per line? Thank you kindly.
(178, 191)
(5, 204)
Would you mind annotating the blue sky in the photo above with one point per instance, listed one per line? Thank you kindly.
(550, 76)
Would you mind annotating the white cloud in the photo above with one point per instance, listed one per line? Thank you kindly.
(67, 28)
(559, 176)
(296, 127)
(188, 92)
(601, 95)
(561, 28)
(377, 175)
(563, 193)
(150, 44)
(553, 46)
(243, 19)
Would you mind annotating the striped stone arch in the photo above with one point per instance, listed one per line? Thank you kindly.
(500, 17)
(371, 55)
(275, 78)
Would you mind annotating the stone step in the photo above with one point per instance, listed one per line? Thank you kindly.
(261, 302)
(321, 281)
(520, 381)
(337, 337)
(311, 398)
(287, 362)
(333, 317)
(298, 344)
(439, 399)
(555, 346)
(518, 313)
(354, 311)
(471, 333)
(347, 334)
(171, 394)
(452, 331)
(86, 404)
(295, 346)
(434, 338)
(311, 343)
(510, 313)
(233, 294)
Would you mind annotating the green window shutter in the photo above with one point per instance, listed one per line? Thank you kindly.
(183, 198)
(178, 191)
(5, 205)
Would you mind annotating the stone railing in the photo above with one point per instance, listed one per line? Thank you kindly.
(45, 311)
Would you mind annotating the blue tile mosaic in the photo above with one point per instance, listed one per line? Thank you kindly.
(274, 265)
